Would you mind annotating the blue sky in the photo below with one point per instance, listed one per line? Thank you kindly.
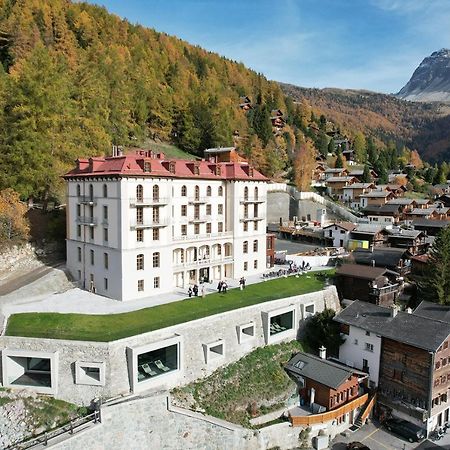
(361, 44)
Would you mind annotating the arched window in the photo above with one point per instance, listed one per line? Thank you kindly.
(91, 192)
(183, 191)
(220, 191)
(105, 191)
(156, 259)
(208, 191)
(255, 245)
(139, 193)
(246, 193)
(78, 190)
(256, 193)
(156, 192)
(140, 262)
(197, 193)
(245, 247)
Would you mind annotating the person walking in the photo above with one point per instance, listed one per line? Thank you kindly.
(243, 283)
(219, 286)
(224, 287)
(195, 290)
(203, 291)
(190, 292)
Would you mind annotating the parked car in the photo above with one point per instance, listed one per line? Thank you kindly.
(357, 446)
(405, 429)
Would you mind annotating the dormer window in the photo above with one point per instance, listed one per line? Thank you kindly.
(172, 167)
(196, 169)
(250, 171)
(147, 166)
(218, 170)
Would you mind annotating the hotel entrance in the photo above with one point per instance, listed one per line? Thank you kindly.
(204, 275)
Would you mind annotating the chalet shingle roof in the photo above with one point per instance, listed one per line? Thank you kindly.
(360, 271)
(404, 233)
(422, 211)
(401, 201)
(433, 311)
(386, 257)
(339, 179)
(359, 185)
(430, 223)
(320, 370)
(377, 194)
(412, 329)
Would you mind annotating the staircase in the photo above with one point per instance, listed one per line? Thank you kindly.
(365, 412)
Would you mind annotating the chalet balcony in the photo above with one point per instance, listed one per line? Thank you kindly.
(247, 200)
(152, 201)
(204, 262)
(198, 200)
(88, 200)
(197, 237)
(385, 290)
(140, 225)
(86, 220)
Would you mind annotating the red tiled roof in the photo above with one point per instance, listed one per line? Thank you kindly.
(133, 165)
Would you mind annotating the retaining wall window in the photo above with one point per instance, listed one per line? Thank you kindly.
(309, 310)
(281, 322)
(214, 350)
(246, 332)
(157, 362)
(90, 373)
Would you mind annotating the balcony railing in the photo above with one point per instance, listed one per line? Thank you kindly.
(200, 219)
(250, 219)
(198, 200)
(151, 201)
(85, 220)
(196, 237)
(88, 200)
(384, 290)
(204, 262)
(148, 224)
(245, 200)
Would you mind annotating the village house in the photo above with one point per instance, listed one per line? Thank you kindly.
(397, 189)
(410, 358)
(358, 173)
(422, 213)
(277, 119)
(375, 285)
(335, 172)
(245, 103)
(367, 236)
(352, 193)
(419, 264)
(444, 199)
(376, 198)
(431, 227)
(383, 214)
(425, 203)
(338, 233)
(414, 241)
(407, 204)
(335, 185)
(324, 385)
(223, 154)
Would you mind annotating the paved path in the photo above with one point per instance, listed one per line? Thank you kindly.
(15, 283)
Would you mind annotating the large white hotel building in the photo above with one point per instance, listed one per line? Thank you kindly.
(141, 224)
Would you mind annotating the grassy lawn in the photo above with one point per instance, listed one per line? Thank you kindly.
(105, 328)
(255, 385)
(171, 151)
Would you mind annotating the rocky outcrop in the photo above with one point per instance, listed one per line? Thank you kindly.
(430, 82)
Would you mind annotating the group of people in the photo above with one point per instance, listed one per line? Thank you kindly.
(193, 291)
(222, 287)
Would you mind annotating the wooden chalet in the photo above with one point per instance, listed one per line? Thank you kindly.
(223, 154)
(414, 241)
(387, 214)
(324, 385)
(245, 103)
(375, 285)
(367, 236)
(431, 227)
(335, 185)
(394, 259)
(358, 173)
(277, 119)
(376, 198)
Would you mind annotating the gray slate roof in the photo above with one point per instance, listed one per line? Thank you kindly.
(377, 194)
(321, 370)
(433, 311)
(431, 223)
(387, 257)
(401, 201)
(412, 329)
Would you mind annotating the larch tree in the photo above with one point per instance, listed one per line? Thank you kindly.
(304, 165)
(14, 226)
(359, 147)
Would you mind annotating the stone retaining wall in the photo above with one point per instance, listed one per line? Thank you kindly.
(193, 336)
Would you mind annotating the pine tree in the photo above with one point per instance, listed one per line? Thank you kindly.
(435, 284)
(331, 146)
(371, 151)
(322, 143)
(366, 176)
(339, 164)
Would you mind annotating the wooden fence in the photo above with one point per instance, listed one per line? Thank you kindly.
(300, 421)
(368, 408)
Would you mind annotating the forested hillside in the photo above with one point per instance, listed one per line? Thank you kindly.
(76, 79)
(421, 126)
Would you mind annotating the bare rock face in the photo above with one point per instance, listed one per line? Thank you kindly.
(430, 82)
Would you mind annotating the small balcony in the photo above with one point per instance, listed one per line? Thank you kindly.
(85, 220)
(197, 237)
(204, 262)
(140, 225)
(200, 219)
(152, 201)
(88, 200)
(198, 200)
(247, 200)
(252, 219)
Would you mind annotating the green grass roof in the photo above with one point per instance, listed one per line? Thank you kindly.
(110, 327)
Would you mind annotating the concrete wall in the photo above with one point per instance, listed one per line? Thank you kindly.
(143, 423)
(193, 336)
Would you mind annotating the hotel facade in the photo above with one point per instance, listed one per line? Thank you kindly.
(140, 224)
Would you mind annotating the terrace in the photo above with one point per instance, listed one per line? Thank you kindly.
(110, 327)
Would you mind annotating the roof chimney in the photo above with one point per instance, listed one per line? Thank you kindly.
(323, 352)
(393, 310)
